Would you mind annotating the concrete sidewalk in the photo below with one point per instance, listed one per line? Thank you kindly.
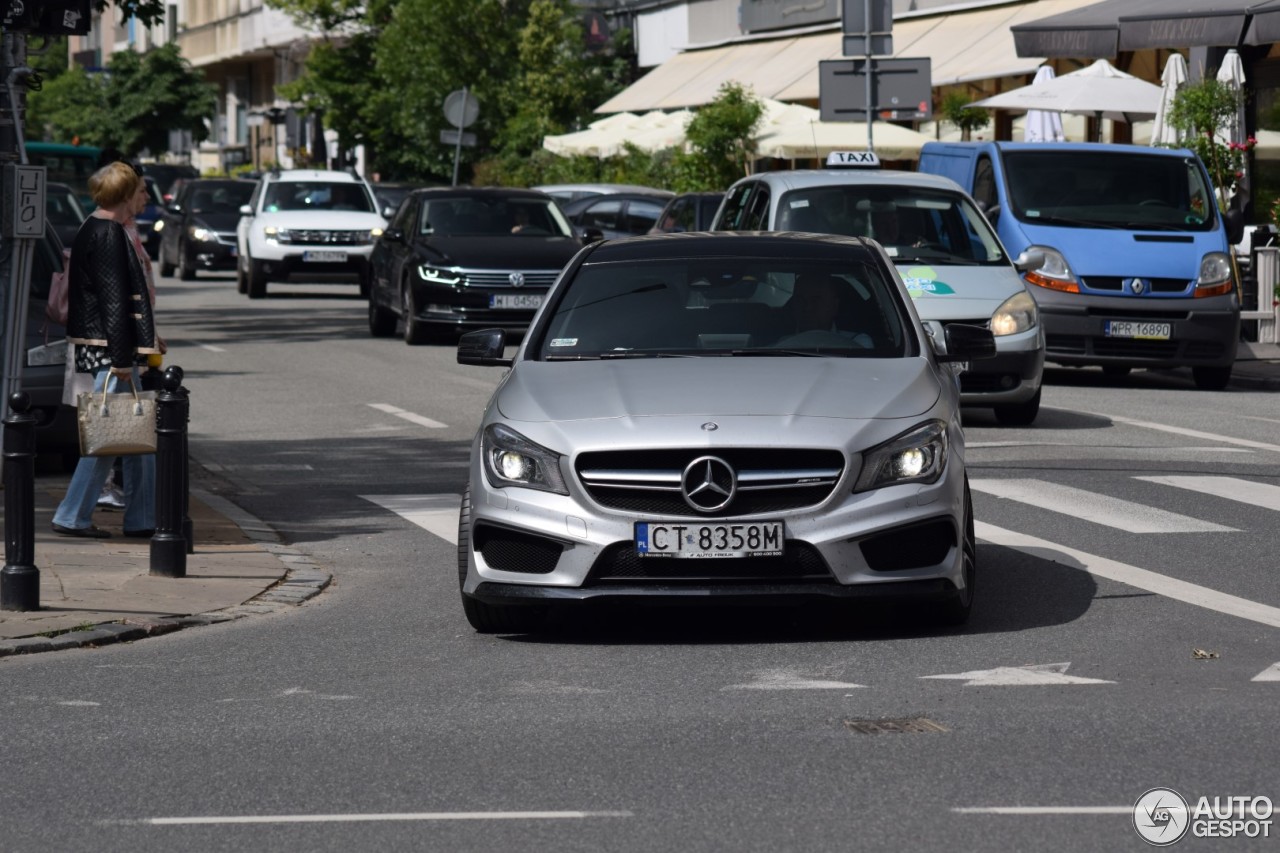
(97, 591)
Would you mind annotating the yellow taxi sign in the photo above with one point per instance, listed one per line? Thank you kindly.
(854, 159)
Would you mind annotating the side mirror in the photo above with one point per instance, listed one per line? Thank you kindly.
(175, 208)
(393, 235)
(388, 211)
(1029, 260)
(1233, 220)
(993, 214)
(967, 343)
(591, 235)
(246, 210)
(484, 348)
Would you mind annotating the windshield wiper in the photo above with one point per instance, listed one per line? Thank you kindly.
(1063, 220)
(948, 260)
(766, 351)
(633, 354)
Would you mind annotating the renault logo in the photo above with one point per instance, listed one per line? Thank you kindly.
(1139, 286)
(516, 279)
(708, 484)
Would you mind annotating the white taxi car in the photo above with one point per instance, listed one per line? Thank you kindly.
(310, 224)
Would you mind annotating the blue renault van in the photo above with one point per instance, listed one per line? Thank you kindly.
(1136, 268)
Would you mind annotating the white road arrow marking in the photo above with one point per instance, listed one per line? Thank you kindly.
(436, 514)
(1005, 676)
(1271, 673)
(782, 679)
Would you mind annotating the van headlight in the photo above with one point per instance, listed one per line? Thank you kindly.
(1016, 314)
(1215, 275)
(1055, 273)
(510, 459)
(917, 456)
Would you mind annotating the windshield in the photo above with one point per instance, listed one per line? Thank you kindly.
(473, 216)
(1090, 189)
(912, 223)
(220, 198)
(725, 307)
(317, 195)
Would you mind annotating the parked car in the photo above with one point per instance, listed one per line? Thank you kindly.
(63, 210)
(45, 358)
(317, 225)
(165, 174)
(466, 258)
(618, 214)
(564, 193)
(771, 401)
(952, 262)
(389, 196)
(146, 221)
(198, 230)
(688, 212)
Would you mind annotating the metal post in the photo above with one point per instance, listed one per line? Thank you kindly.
(20, 579)
(168, 545)
(871, 107)
(188, 529)
(457, 148)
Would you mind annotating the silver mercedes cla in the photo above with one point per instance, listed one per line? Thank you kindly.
(742, 417)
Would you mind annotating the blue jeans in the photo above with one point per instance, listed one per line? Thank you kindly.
(76, 509)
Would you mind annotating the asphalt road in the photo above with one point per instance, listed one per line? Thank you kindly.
(1135, 523)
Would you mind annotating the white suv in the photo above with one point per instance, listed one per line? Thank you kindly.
(317, 225)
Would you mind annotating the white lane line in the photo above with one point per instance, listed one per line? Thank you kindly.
(1231, 488)
(1044, 810)
(1190, 593)
(1090, 506)
(1020, 676)
(420, 420)
(209, 347)
(364, 818)
(785, 679)
(1190, 433)
(1271, 673)
(436, 514)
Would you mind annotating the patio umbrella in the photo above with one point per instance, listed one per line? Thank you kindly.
(817, 139)
(1100, 90)
(1043, 125)
(1231, 72)
(1173, 79)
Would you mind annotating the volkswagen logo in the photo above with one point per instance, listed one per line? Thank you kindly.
(516, 279)
(1139, 286)
(708, 484)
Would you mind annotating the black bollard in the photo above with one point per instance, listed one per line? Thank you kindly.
(188, 529)
(20, 579)
(168, 545)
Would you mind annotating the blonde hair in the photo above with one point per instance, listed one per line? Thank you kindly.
(113, 184)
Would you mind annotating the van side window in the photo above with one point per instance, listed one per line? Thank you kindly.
(735, 206)
(757, 216)
(984, 184)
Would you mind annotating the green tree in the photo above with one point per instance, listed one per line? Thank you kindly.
(955, 109)
(150, 94)
(1198, 110)
(722, 139)
(70, 106)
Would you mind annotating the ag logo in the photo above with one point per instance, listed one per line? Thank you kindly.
(1161, 816)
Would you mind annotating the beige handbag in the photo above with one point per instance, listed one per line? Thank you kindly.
(116, 424)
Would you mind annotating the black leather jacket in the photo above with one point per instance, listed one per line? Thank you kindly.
(107, 300)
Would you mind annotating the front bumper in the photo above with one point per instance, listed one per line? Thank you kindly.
(1012, 376)
(465, 307)
(1204, 332)
(292, 264)
(212, 255)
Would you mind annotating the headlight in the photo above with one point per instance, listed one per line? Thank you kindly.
(1055, 273)
(1215, 275)
(375, 233)
(436, 275)
(510, 459)
(159, 226)
(203, 235)
(47, 354)
(1017, 314)
(917, 456)
(277, 235)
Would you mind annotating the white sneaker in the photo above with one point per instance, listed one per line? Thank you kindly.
(111, 497)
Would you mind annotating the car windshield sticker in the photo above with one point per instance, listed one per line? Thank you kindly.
(802, 202)
(564, 342)
(923, 281)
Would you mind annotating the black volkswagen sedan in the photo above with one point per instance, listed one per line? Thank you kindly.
(199, 227)
(466, 258)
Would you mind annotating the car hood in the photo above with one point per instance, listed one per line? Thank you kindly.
(215, 220)
(498, 252)
(851, 388)
(335, 220)
(1114, 252)
(943, 292)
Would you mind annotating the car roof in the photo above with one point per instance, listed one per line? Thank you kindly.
(703, 244)
(604, 189)
(313, 175)
(801, 178)
(472, 192)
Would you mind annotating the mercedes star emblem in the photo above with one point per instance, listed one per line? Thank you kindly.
(708, 484)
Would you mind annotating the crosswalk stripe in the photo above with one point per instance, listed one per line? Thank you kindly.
(1151, 581)
(1190, 433)
(420, 420)
(1090, 506)
(1231, 488)
(436, 514)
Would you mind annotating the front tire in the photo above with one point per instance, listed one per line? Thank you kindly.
(1019, 414)
(490, 618)
(186, 269)
(415, 332)
(955, 612)
(1211, 378)
(382, 323)
(166, 268)
(257, 287)
(242, 280)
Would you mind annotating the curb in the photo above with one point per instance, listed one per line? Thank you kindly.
(303, 581)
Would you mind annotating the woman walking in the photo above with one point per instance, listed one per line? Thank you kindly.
(110, 321)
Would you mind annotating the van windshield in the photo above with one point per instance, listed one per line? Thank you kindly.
(1090, 189)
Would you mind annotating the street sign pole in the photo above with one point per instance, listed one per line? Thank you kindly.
(457, 149)
(871, 116)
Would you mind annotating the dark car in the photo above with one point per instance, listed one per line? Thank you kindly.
(146, 221)
(199, 227)
(164, 174)
(466, 258)
(617, 215)
(688, 212)
(44, 359)
(390, 196)
(63, 210)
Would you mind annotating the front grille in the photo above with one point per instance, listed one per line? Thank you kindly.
(1158, 285)
(1074, 344)
(502, 278)
(1129, 347)
(915, 547)
(515, 551)
(299, 237)
(1130, 314)
(800, 563)
(647, 482)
